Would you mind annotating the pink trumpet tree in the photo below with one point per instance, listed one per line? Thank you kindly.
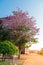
(22, 27)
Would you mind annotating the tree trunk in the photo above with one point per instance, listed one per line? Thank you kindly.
(3, 59)
(19, 52)
(22, 50)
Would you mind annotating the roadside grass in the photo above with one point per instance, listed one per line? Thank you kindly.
(8, 63)
(4, 63)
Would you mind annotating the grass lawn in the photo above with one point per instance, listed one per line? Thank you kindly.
(4, 63)
(7, 63)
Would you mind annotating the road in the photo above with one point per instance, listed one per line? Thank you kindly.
(32, 59)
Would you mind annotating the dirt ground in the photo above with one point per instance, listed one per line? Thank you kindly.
(32, 59)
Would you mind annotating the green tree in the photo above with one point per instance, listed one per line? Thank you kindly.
(7, 47)
(4, 34)
(22, 28)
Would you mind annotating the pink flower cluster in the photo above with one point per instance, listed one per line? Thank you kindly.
(21, 24)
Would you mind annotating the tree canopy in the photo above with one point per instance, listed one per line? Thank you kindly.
(6, 47)
(21, 27)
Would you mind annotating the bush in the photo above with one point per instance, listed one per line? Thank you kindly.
(6, 47)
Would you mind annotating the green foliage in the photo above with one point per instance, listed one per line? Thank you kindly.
(4, 63)
(27, 46)
(6, 47)
(4, 35)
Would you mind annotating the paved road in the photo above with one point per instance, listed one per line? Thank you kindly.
(32, 59)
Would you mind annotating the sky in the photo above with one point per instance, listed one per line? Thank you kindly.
(33, 7)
